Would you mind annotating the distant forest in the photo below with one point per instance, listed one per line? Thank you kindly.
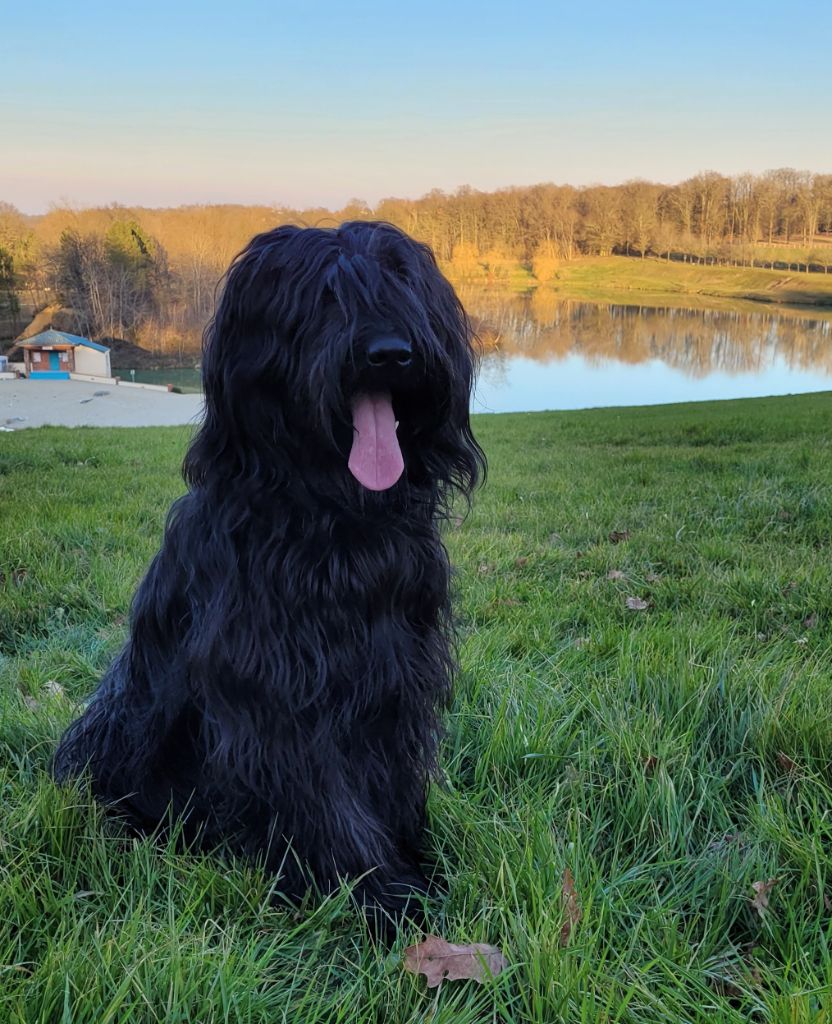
(150, 275)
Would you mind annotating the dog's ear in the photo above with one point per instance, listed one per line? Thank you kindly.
(459, 464)
(240, 351)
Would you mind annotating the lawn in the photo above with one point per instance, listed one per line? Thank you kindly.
(630, 279)
(674, 756)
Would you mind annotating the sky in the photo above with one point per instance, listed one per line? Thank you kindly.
(315, 102)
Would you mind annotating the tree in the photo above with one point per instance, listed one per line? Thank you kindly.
(9, 302)
(115, 283)
(639, 215)
(545, 262)
(601, 213)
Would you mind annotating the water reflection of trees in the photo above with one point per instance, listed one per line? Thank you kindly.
(699, 342)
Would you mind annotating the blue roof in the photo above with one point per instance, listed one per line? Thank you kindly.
(51, 337)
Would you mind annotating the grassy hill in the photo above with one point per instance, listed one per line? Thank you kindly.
(630, 281)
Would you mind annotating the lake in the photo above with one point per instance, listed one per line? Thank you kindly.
(543, 352)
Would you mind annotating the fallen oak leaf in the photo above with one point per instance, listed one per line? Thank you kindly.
(725, 987)
(637, 604)
(761, 894)
(617, 536)
(522, 562)
(571, 906)
(786, 763)
(439, 960)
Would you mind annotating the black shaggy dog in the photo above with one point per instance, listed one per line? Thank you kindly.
(291, 645)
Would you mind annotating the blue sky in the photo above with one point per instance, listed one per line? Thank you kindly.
(316, 102)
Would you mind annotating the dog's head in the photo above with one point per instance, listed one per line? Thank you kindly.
(343, 357)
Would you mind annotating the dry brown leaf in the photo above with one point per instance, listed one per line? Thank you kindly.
(827, 902)
(653, 577)
(617, 536)
(761, 894)
(571, 906)
(637, 604)
(53, 688)
(723, 841)
(650, 763)
(725, 987)
(439, 960)
(786, 762)
(615, 574)
(810, 621)
(484, 569)
(789, 587)
(521, 563)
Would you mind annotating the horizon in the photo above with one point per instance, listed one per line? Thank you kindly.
(116, 204)
(202, 105)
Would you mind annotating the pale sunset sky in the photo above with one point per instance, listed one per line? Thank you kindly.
(312, 103)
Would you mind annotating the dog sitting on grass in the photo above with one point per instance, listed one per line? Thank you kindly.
(290, 647)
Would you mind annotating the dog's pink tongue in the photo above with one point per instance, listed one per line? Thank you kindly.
(375, 459)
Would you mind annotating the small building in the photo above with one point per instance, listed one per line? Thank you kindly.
(54, 355)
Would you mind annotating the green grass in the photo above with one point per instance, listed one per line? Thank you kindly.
(633, 281)
(619, 277)
(669, 757)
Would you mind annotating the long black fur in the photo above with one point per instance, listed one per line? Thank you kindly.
(290, 648)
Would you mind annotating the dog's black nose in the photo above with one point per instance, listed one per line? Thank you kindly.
(389, 351)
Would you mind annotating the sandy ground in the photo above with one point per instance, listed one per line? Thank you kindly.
(75, 403)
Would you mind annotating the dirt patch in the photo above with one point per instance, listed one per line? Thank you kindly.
(124, 355)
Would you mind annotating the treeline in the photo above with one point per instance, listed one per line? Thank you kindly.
(150, 274)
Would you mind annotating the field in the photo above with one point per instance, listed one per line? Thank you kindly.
(633, 281)
(645, 605)
(616, 277)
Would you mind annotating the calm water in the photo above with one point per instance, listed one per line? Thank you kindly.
(545, 353)
(542, 353)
